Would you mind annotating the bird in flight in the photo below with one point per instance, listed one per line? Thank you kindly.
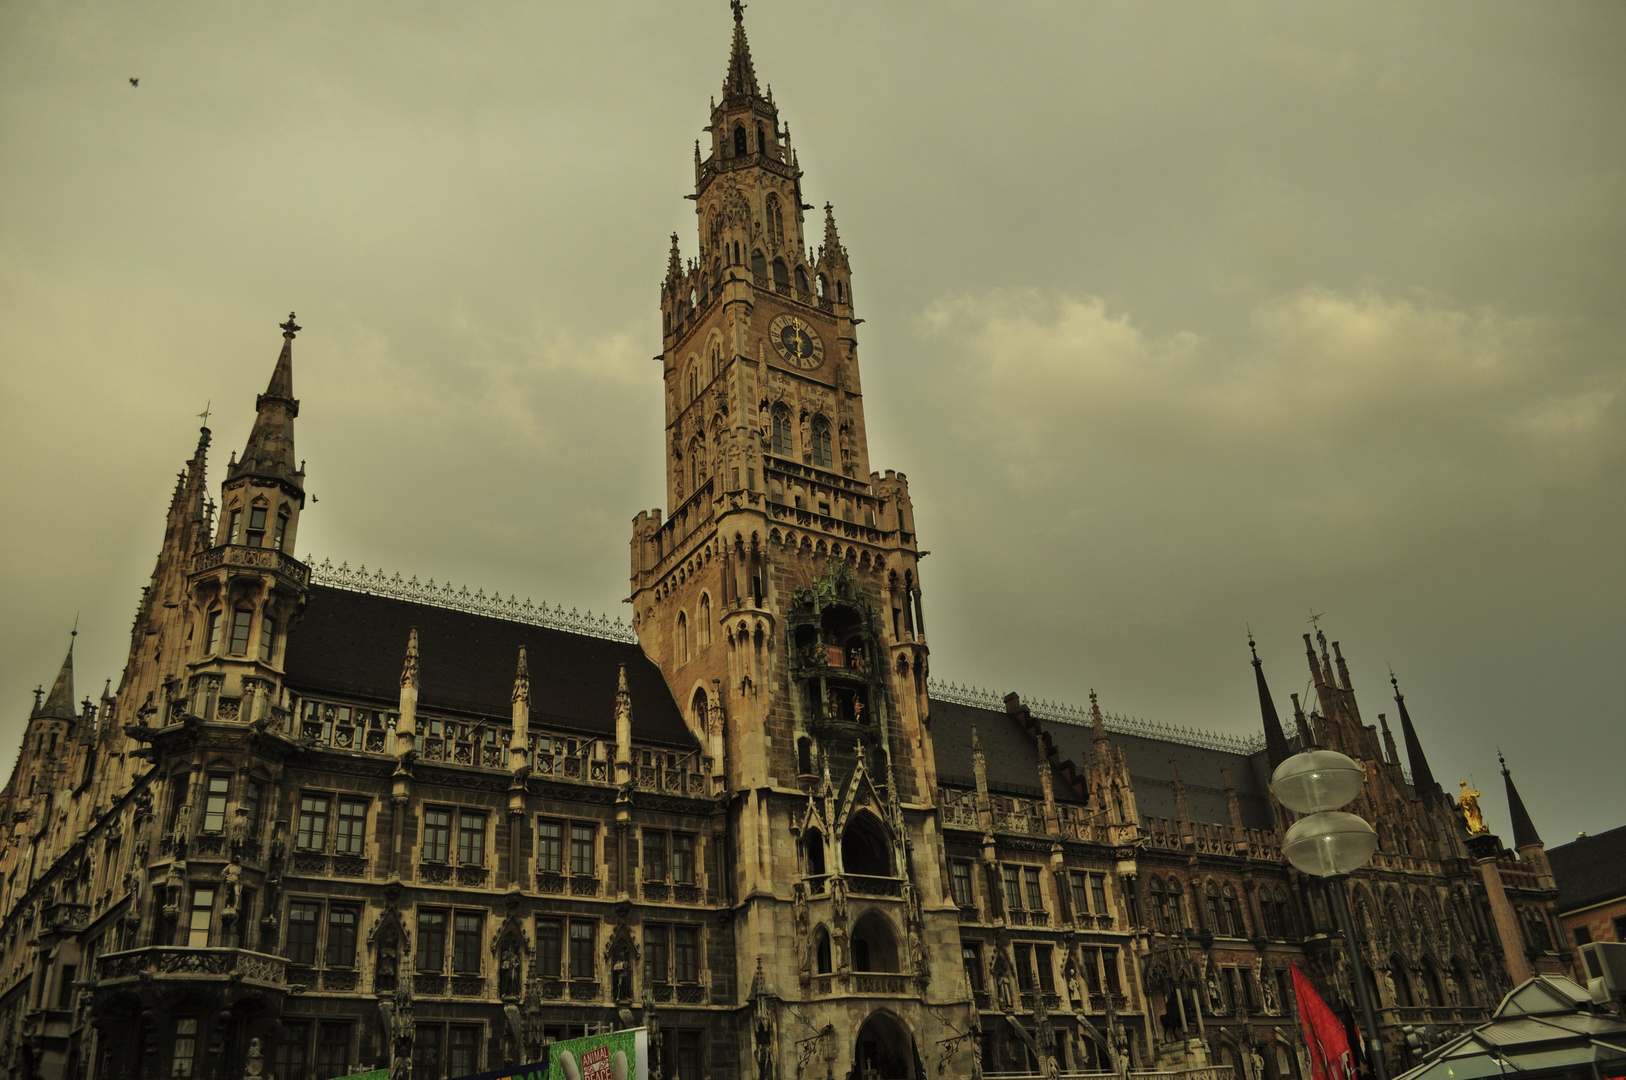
(135, 82)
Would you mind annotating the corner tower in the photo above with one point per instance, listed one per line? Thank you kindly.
(780, 595)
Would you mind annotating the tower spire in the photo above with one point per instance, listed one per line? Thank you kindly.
(269, 454)
(1422, 777)
(59, 702)
(1275, 740)
(1524, 830)
(741, 80)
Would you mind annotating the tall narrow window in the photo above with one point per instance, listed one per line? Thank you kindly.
(214, 804)
(654, 856)
(1080, 889)
(682, 859)
(1035, 894)
(197, 928)
(1098, 892)
(471, 839)
(281, 530)
(256, 526)
(703, 631)
(185, 1057)
(240, 620)
(332, 1049)
(1024, 967)
(341, 937)
(304, 917)
(214, 633)
(463, 1051)
(971, 957)
(801, 279)
(822, 455)
(776, 224)
(549, 847)
(781, 275)
(779, 443)
(466, 930)
(655, 969)
(292, 1043)
(547, 948)
(351, 838)
(268, 634)
(582, 863)
(683, 623)
(685, 954)
(235, 533)
(581, 949)
(251, 802)
(960, 883)
(431, 940)
(312, 835)
(1044, 958)
(740, 147)
(1013, 888)
(437, 835)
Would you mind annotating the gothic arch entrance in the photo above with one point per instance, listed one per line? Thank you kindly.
(884, 1050)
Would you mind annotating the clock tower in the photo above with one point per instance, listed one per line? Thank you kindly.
(780, 595)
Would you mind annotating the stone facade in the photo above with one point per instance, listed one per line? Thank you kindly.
(331, 819)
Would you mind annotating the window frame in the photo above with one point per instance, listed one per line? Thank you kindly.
(308, 951)
(431, 943)
(550, 861)
(214, 802)
(442, 833)
(312, 832)
(960, 874)
(350, 835)
(465, 847)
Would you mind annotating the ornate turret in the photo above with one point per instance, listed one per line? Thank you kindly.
(269, 454)
(741, 80)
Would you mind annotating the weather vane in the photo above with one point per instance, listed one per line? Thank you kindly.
(1315, 619)
(205, 413)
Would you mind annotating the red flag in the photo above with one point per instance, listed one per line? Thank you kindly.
(1323, 1033)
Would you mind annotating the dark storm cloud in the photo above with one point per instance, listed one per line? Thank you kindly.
(1179, 319)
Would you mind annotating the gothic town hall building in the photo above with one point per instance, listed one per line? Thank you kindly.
(332, 820)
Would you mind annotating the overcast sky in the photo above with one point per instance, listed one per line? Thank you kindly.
(1180, 318)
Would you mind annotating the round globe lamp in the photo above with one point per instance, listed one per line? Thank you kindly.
(1316, 781)
(1330, 843)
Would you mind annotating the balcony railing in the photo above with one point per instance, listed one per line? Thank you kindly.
(869, 983)
(874, 886)
(168, 962)
(259, 558)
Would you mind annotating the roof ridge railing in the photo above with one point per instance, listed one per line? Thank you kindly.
(394, 587)
(1065, 713)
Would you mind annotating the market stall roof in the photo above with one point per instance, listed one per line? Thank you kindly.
(1545, 1027)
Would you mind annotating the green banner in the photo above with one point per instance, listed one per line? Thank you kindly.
(619, 1055)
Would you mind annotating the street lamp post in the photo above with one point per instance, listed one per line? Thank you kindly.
(1328, 843)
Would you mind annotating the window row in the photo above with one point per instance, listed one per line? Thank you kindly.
(820, 445)
(239, 623)
(254, 535)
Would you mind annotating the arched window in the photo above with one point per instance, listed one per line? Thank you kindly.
(821, 443)
(1177, 905)
(779, 443)
(875, 945)
(705, 620)
(759, 264)
(865, 849)
(822, 286)
(813, 845)
(776, 222)
(694, 382)
(821, 951)
(1215, 923)
(840, 299)
(801, 280)
(740, 149)
(1403, 995)
(781, 275)
(1233, 914)
(736, 253)
(804, 756)
(683, 637)
(762, 140)
(716, 271)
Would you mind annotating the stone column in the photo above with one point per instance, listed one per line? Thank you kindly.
(1483, 849)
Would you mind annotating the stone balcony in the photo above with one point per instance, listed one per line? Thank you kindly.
(165, 963)
(289, 569)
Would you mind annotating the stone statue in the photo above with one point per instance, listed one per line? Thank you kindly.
(508, 972)
(238, 833)
(228, 886)
(1256, 1063)
(1468, 803)
(1389, 984)
(1075, 992)
(1267, 992)
(256, 1060)
(1216, 994)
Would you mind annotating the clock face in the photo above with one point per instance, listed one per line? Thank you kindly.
(796, 341)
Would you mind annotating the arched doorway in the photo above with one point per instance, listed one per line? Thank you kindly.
(875, 945)
(884, 1050)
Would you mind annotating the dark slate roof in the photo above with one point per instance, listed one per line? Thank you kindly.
(1590, 869)
(352, 644)
(1009, 752)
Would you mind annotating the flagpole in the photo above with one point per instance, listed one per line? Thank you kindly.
(1363, 993)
